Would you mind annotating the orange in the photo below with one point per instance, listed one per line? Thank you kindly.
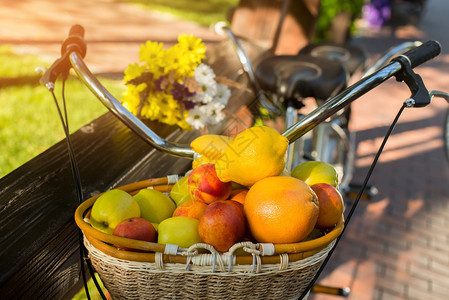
(281, 209)
(239, 195)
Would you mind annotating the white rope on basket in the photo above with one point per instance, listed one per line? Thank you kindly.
(283, 264)
(203, 259)
(171, 249)
(257, 261)
(159, 260)
(244, 245)
(172, 179)
(267, 249)
(202, 262)
(126, 279)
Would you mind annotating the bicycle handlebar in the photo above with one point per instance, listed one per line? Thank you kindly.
(125, 115)
(74, 41)
(73, 47)
(388, 55)
(423, 53)
(413, 57)
(73, 51)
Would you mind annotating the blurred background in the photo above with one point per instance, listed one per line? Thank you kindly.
(395, 246)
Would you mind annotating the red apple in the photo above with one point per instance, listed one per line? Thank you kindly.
(330, 205)
(223, 224)
(190, 208)
(205, 186)
(137, 229)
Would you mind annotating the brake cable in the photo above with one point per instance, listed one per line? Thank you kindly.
(420, 97)
(78, 186)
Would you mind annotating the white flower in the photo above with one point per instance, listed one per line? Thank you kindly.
(223, 94)
(203, 74)
(209, 89)
(210, 102)
(214, 112)
(197, 118)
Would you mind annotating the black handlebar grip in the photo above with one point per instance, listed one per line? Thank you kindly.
(75, 41)
(423, 53)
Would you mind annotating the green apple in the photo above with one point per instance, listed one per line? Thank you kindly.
(312, 172)
(181, 231)
(180, 191)
(111, 208)
(154, 205)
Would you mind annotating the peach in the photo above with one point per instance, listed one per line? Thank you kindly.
(331, 205)
(205, 186)
(190, 208)
(223, 224)
(239, 196)
(137, 229)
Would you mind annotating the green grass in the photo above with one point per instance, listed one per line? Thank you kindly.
(29, 122)
(93, 292)
(201, 12)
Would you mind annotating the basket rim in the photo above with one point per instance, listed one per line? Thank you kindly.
(101, 239)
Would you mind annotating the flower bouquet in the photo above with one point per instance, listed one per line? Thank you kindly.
(173, 85)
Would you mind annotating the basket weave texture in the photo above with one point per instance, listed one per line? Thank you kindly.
(249, 271)
(127, 279)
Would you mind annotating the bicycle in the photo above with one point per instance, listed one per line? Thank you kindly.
(446, 129)
(401, 67)
(319, 71)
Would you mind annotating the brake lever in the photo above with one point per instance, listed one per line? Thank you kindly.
(74, 42)
(420, 95)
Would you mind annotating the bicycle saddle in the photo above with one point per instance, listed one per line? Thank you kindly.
(351, 57)
(293, 76)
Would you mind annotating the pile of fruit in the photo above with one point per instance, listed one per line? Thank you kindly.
(237, 191)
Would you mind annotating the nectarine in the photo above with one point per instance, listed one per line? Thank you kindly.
(137, 229)
(330, 205)
(190, 208)
(223, 224)
(205, 186)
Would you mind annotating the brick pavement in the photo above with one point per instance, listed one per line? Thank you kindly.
(114, 30)
(396, 245)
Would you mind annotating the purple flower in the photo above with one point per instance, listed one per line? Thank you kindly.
(158, 83)
(181, 93)
(189, 104)
(377, 12)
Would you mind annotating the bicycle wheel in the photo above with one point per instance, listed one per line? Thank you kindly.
(446, 135)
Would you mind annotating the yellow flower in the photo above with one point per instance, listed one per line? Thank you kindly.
(177, 60)
(162, 70)
(152, 54)
(131, 97)
(171, 59)
(133, 71)
(183, 123)
(193, 46)
(151, 108)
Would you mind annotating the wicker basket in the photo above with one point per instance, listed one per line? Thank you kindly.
(246, 271)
